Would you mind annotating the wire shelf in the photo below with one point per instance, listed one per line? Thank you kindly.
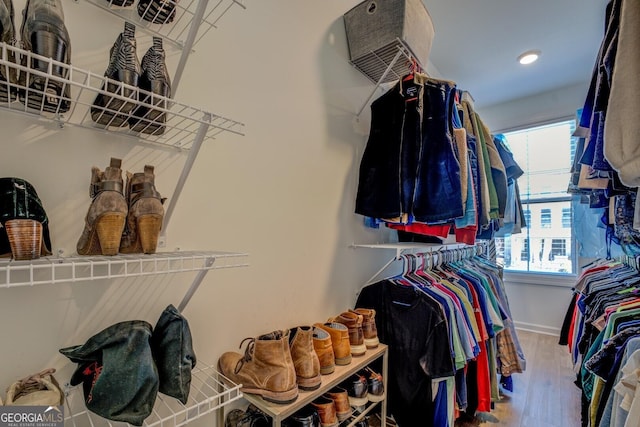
(51, 270)
(210, 390)
(65, 94)
(176, 31)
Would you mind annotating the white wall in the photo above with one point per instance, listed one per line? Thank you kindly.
(284, 192)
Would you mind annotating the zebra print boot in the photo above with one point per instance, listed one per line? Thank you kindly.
(157, 11)
(123, 67)
(154, 79)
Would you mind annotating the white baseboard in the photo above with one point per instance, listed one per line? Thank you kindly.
(540, 329)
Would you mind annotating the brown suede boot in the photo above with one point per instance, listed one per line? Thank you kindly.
(339, 334)
(106, 216)
(353, 321)
(146, 213)
(265, 369)
(369, 329)
(304, 357)
(324, 350)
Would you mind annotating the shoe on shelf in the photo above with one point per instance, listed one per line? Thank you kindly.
(37, 389)
(8, 74)
(375, 385)
(123, 67)
(353, 322)
(304, 357)
(368, 326)
(339, 341)
(107, 213)
(252, 417)
(340, 399)
(157, 11)
(326, 411)
(145, 213)
(307, 416)
(24, 225)
(43, 32)
(357, 389)
(324, 350)
(154, 79)
(265, 369)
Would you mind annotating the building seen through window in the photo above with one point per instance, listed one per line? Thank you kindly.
(545, 244)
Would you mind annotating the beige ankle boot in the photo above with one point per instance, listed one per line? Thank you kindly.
(146, 213)
(107, 214)
(265, 369)
(305, 359)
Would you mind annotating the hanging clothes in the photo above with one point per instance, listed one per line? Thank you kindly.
(603, 333)
(448, 328)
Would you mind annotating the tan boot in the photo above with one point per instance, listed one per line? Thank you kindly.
(107, 214)
(324, 350)
(304, 357)
(368, 326)
(265, 369)
(353, 321)
(339, 341)
(146, 213)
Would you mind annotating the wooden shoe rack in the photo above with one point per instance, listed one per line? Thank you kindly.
(280, 412)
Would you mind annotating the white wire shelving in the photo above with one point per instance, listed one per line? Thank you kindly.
(184, 126)
(187, 16)
(210, 391)
(53, 270)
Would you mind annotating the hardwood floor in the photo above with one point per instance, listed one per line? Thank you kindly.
(544, 395)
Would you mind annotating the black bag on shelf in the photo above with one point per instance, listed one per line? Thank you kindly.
(173, 353)
(117, 372)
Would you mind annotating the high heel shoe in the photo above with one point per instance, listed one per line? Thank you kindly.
(144, 220)
(154, 79)
(8, 74)
(157, 11)
(44, 33)
(106, 216)
(24, 226)
(123, 67)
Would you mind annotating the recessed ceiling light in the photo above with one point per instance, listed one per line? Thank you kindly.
(529, 57)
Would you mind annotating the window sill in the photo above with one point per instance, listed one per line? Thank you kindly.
(540, 279)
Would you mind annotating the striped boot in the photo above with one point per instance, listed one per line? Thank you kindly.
(157, 11)
(123, 67)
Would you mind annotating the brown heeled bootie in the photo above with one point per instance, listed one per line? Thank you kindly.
(106, 216)
(146, 213)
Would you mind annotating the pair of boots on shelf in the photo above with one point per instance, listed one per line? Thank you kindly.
(24, 225)
(277, 364)
(42, 32)
(351, 333)
(125, 219)
(123, 367)
(154, 11)
(142, 110)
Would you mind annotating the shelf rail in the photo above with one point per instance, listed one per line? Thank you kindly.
(210, 390)
(181, 125)
(186, 17)
(52, 270)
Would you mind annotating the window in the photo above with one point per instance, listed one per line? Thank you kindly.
(545, 218)
(544, 245)
(566, 218)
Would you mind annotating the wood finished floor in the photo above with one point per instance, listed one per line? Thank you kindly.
(544, 395)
